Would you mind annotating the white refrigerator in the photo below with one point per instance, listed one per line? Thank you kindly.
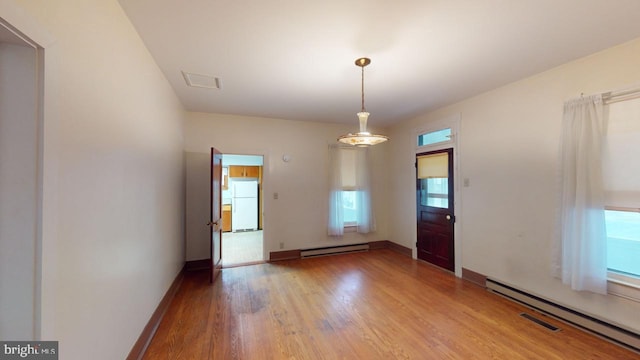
(244, 204)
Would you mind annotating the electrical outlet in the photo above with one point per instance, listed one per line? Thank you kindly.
(275, 196)
(281, 245)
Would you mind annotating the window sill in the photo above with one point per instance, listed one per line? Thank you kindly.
(624, 286)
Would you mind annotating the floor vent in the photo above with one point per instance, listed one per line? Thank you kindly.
(606, 330)
(333, 250)
(542, 323)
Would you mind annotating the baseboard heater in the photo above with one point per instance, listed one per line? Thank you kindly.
(333, 250)
(611, 332)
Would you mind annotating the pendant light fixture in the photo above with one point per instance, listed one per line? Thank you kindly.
(363, 137)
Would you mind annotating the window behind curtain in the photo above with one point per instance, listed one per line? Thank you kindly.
(621, 172)
(350, 193)
(348, 175)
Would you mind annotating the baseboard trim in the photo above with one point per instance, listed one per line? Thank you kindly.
(197, 265)
(474, 277)
(399, 248)
(284, 255)
(376, 245)
(140, 347)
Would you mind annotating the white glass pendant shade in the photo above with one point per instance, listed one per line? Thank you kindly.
(363, 137)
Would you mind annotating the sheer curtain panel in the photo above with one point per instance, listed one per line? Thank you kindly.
(364, 212)
(580, 249)
(336, 211)
(349, 173)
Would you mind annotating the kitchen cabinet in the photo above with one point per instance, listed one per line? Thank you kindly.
(238, 171)
(226, 218)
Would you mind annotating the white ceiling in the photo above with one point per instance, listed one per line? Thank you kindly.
(294, 59)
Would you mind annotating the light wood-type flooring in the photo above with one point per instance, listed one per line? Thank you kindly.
(241, 248)
(370, 305)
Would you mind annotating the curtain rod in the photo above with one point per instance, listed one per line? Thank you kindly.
(623, 95)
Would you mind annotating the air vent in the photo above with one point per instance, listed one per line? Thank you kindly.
(202, 81)
(625, 337)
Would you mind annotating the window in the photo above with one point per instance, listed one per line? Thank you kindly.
(435, 192)
(349, 185)
(433, 173)
(621, 174)
(349, 208)
(350, 200)
(434, 137)
(623, 241)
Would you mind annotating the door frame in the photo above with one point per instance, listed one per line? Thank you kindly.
(27, 28)
(453, 122)
(265, 190)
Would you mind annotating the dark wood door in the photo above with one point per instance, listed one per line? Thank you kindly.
(215, 219)
(434, 194)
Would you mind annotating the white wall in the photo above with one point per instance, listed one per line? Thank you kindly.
(113, 179)
(247, 160)
(198, 168)
(299, 217)
(508, 150)
(18, 192)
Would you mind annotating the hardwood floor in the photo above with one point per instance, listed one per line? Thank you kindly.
(371, 305)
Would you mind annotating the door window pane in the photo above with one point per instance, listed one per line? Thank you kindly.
(434, 192)
(433, 174)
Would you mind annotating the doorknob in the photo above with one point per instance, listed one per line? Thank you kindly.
(448, 217)
(212, 223)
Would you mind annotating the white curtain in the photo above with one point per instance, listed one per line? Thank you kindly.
(364, 214)
(360, 166)
(336, 215)
(580, 247)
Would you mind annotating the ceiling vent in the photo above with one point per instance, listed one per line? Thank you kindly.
(202, 81)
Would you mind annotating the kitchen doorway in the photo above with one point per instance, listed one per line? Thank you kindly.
(242, 209)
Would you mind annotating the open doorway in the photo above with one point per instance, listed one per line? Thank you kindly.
(21, 66)
(242, 214)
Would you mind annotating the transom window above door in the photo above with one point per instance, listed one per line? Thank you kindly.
(434, 137)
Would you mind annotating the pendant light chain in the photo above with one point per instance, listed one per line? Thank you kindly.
(363, 110)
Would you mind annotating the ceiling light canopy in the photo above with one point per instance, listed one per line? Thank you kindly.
(363, 137)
